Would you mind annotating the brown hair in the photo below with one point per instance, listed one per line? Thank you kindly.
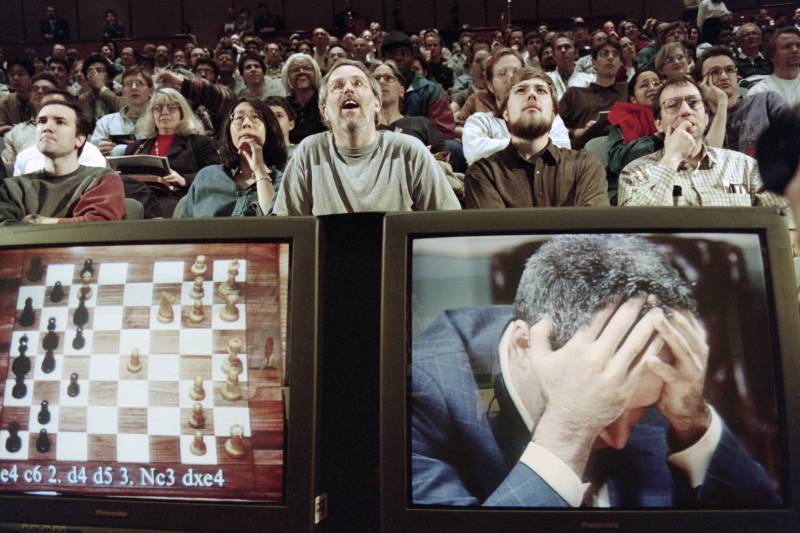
(530, 73)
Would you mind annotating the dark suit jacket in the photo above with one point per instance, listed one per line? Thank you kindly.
(461, 457)
(187, 155)
(60, 33)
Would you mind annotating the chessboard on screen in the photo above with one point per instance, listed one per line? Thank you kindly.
(136, 370)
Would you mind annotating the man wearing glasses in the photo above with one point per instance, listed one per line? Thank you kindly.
(687, 172)
(114, 132)
(353, 167)
(744, 118)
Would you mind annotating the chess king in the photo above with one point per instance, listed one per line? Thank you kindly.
(92, 194)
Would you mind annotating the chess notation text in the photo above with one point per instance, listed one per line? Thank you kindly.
(108, 476)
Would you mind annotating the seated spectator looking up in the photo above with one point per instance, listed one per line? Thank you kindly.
(354, 167)
(16, 107)
(672, 61)
(31, 160)
(65, 191)
(115, 131)
(23, 135)
(112, 27)
(687, 171)
(252, 150)
(479, 99)
(301, 78)
(59, 68)
(749, 60)
(100, 99)
(285, 117)
(581, 107)
(585, 64)
(168, 128)
(784, 52)
(628, 67)
(531, 171)
(273, 59)
(225, 59)
(252, 68)
(565, 75)
(632, 133)
(335, 53)
(437, 70)
(423, 97)
(745, 118)
(486, 132)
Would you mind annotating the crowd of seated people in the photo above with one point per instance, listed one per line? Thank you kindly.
(628, 113)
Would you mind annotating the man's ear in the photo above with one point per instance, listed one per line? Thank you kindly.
(505, 113)
(519, 343)
(291, 125)
(80, 141)
(659, 125)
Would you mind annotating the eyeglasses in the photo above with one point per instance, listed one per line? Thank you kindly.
(301, 67)
(747, 34)
(608, 52)
(729, 71)
(338, 85)
(253, 116)
(160, 108)
(675, 59)
(388, 78)
(674, 104)
(509, 71)
(130, 84)
(44, 89)
(647, 84)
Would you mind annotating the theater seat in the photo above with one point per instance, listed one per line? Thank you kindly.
(133, 209)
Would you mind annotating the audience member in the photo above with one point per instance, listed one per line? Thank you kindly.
(301, 78)
(628, 67)
(255, 85)
(114, 132)
(745, 118)
(23, 135)
(112, 28)
(64, 191)
(285, 116)
(784, 52)
(478, 99)
(531, 171)
(320, 40)
(168, 128)
(354, 167)
(100, 99)
(585, 64)
(750, 61)
(437, 69)
(59, 68)
(16, 107)
(252, 151)
(565, 75)
(687, 171)
(707, 9)
(672, 61)
(533, 43)
(273, 60)
(225, 58)
(666, 33)
(53, 27)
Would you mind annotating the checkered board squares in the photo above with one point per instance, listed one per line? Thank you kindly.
(118, 415)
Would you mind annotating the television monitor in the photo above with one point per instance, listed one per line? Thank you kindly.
(158, 375)
(589, 369)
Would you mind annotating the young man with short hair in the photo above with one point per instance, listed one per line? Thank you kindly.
(65, 191)
(784, 52)
(16, 107)
(115, 131)
(566, 75)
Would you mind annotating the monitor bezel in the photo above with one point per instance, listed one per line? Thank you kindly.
(296, 512)
(399, 232)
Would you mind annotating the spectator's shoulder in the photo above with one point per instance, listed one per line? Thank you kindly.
(407, 143)
(644, 161)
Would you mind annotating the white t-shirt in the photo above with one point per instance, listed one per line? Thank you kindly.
(31, 159)
(789, 89)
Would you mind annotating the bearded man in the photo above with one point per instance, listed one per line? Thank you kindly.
(354, 167)
(531, 171)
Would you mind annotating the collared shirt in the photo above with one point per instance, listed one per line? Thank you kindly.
(557, 178)
(752, 66)
(577, 79)
(581, 104)
(723, 178)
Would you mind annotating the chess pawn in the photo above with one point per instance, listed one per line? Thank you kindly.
(57, 294)
(43, 442)
(196, 315)
(232, 390)
(81, 315)
(73, 389)
(49, 362)
(86, 280)
(88, 266)
(230, 313)
(235, 446)
(199, 266)
(14, 441)
(232, 362)
(28, 315)
(198, 447)
(197, 393)
(20, 388)
(134, 362)
(165, 312)
(79, 341)
(50, 341)
(197, 289)
(35, 271)
(44, 413)
(198, 418)
(229, 286)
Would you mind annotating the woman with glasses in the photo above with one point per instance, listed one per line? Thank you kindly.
(252, 148)
(673, 60)
(170, 129)
(633, 129)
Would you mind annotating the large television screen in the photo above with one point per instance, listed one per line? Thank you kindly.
(571, 370)
(154, 369)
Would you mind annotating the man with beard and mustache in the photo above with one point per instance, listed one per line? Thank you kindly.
(531, 171)
(687, 172)
(355, 168)
(301, 78)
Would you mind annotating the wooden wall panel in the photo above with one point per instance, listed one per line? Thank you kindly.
(414, 14)
(34, 12)
(206, 19)
(11, 27)
(155, 18)
(618, 9)
(563, 9)
(308, 14)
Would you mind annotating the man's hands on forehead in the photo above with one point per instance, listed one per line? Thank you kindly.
(591, 381)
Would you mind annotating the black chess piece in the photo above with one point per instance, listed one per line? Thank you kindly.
(50, 341)
(28, 315)
(88, 266)
(35, 271)
(44, 413)
(79, 341)
(57, 294)
(43, 442)
(23, 340)
(20, 389)
(22, 363)
(49, 362)
(13, 442)
(73, 389)
(81, 316)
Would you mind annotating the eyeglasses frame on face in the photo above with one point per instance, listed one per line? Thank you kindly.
(607, 52)
(300, 67)
(389, 78)
(128, 84)
(237, 119)
(172, 108)
(716, 72)
(673, 105)
(357, 82)
(647, 84)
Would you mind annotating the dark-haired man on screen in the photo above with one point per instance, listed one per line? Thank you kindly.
(65, 191)
(602, 366)
(531, 171)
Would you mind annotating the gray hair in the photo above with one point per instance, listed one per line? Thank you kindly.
(572, 276)
(189, 124)
(373, 83)
(292, 59)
